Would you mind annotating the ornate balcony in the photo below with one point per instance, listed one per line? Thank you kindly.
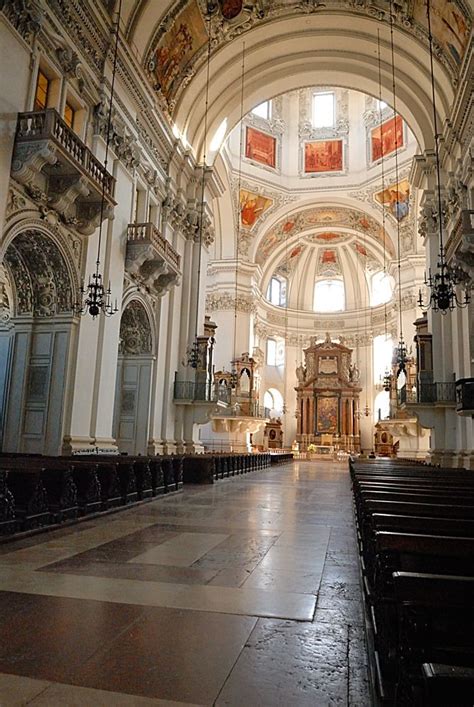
(151, 261)
(60, 172)
(465, 396)
(439, 394)
(460, 244)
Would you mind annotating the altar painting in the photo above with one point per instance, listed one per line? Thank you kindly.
(323, 156)
(260, 147)
(327, 415)
(386, 138)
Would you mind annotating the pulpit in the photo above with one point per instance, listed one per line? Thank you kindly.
(328, 397)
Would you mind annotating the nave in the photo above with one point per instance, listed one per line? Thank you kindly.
(244, 593)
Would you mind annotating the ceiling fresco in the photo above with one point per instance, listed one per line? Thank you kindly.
(316, 217)
(177, 42)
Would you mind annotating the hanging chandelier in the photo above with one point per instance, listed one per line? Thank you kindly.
(387, 378)
(193, 352)
(95, 298)
(401, 354)
(234, 376)
(443, 296)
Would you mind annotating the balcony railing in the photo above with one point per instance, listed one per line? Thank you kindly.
(47, 124)
(139, 233)
(200, 392)
(428, 393)
(246, 410)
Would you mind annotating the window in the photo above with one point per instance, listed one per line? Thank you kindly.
(323, 110)
(329, 296)
(381, 288)
(69, 114)
(382, 405)
(382, 351)
(273, 400)
(271, 352)
(42, 91)
(263, 110)
(380, 104)
(275, 352)
(276, 293)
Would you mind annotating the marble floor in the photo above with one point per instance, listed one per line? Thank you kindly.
(245, 593)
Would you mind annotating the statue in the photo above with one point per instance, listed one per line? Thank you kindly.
(354, 373)
(301, 374)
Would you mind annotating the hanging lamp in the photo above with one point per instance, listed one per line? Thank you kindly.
(367, 337)
(193, 350)
(401, 346)
(95, 298)
(387, 377)
(442, 285)
(285, 408)
(233, 371)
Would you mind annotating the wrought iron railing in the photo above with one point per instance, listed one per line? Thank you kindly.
(428, 393)
(246, 409)
(200, 391)
(48, 125)
(148, 232)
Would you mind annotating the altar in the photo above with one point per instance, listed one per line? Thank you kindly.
(328, 399)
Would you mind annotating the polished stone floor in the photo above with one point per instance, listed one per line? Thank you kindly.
(244, 593)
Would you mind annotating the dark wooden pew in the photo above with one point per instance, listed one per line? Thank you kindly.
(7, 506)
(447, 685)
(435, 623)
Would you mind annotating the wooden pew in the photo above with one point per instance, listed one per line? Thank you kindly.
(435, 623)
(7, 506)
(447, 685)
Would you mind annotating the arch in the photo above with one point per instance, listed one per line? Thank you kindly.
(273, 400)
(41, 282)
(292, 53)
(135, 368)
(136, 335)
(39, 343)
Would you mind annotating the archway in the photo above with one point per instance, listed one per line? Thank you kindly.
(36, 346)
(134, 375)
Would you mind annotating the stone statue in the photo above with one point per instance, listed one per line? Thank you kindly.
(354, 373)
(301, 374)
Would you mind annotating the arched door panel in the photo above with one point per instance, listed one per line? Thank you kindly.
(134, 372)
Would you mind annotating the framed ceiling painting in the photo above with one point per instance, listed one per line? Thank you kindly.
(260, 147)
(322, 156)
(386, 138)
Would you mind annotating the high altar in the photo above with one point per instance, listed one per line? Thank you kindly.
(328, 398)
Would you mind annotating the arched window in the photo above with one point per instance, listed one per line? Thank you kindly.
(275, 352)
(273, 400)
(323, 110)
(276, 293)
(263, 110)
(329, 296)
(381, 288)
(382, 405)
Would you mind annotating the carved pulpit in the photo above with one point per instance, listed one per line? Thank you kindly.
(328, 397)
(273, 434)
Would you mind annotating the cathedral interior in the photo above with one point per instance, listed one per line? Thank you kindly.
(237, 352)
